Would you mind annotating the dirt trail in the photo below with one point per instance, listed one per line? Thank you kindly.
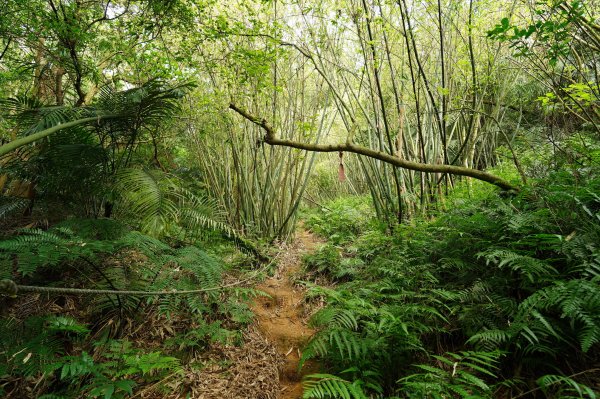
(281, 318)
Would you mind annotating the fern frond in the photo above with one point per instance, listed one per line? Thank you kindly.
(34, 116)
(532, 268)
(9, 206)
(334, 317)
(577, 300)
(328, 386)
(207, 270)
(565, 387)
(146, 194)
(35, 248)
(338, 342)
(161, 203)
(458, 374)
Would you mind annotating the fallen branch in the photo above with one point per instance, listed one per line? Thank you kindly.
(271, 139)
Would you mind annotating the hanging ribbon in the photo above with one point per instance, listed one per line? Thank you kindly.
(341, 173)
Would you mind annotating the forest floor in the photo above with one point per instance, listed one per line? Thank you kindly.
(282, 317)
(265, 366)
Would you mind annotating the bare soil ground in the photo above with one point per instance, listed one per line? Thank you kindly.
(282, 318)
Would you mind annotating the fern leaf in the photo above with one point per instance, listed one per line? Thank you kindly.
(328, 386)
(564, 386)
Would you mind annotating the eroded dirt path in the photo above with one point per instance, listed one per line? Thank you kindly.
(282, 318)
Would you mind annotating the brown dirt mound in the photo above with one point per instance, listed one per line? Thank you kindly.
(282, 319)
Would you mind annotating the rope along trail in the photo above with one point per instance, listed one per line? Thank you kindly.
(11, 289)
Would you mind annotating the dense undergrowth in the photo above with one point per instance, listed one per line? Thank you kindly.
(491, 297)
(114, 222)
(111, 346)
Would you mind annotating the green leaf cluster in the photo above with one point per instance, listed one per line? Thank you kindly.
(512, 283)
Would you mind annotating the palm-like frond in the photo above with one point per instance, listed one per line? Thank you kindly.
(161, 204)
(117, 113)
(146, 195)
(138, 110)
(33, 116)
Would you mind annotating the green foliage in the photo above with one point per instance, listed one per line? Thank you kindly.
(531, 268)
(123, 360)
(114, 377)
(457, 376)
(143, 107)
(84, 244)
(343, 220)
(515, 276)
(560, 386)
(201, 336)
(31, 348)
(194, 270)
(327, 386)
(71, 243)
(162, 206)
(57, 348)
(560, 37)
(35, 248)
(575, 301)
(65, 324)
(75, 166)
(336, 336)
(426, 304)
(11, 206)
(325, 260)
(555, 26)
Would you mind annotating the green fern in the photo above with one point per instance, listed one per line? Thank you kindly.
(30, 347)
(491, 339)
(96, 229)
(162, 204)
(201, 336)
(341, 343)
(460, 375)
(34, 116)
(158, 267)
(564, 387)
(190, 269)
(65, 325)
(334, 317)
(10, 206)
(532, 268)
(151, 363)
(35, 248)
(107, 388)
(327, 386)
(577, 300)
(75, 165)
(325, 260)
(516, 276)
